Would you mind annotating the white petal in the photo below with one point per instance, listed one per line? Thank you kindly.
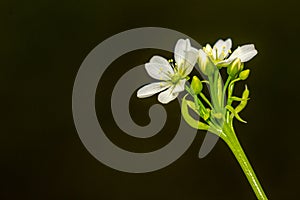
(185, 56)
(224, 62)
(167, 96)
(208, 48)
(203, 58)
(245, 53)
(228, 43)
(222, 48)
(180, 49)
(190, 61)
(248, 56)
(151, 89)
(218, 48)
(159, 60)
(214, 53)
(218, 44)
(159, 68)
(179, 87)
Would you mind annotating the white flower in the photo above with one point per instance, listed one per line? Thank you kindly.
(244, 53)
(172, 78)
(220, 51)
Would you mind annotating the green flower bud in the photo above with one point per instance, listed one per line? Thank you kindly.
(235, 67)
(206, 66)
(196, 85)
(244, 74)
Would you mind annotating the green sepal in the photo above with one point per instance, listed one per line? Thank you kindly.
(244, 101)
(190, 120)
(233, 98)
(236, 115)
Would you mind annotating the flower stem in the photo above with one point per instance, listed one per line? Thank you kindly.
(224, 89)
(206, 100)
(237, 150)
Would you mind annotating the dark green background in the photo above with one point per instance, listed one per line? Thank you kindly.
(43, 44)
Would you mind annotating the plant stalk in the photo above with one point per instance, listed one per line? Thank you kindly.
(236, 148)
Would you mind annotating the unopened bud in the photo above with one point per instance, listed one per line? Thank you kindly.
(196, 85)
(206, 66)
(235, 67)
(244, 74)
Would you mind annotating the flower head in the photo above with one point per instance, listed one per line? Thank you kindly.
(221, 50)
(172, 76)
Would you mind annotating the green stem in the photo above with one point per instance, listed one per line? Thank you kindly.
(206, 100)
(212, 91)
(224, 89)
(230, 90)
(215, 90)
(240, 155)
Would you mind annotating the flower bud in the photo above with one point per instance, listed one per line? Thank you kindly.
(244, 74)
(196, 85)
(235, 67)
(206, 66)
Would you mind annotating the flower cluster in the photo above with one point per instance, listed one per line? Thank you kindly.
(172, 76)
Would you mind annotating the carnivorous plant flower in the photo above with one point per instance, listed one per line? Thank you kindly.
(217, 112)
(220, 51)
(171, 76)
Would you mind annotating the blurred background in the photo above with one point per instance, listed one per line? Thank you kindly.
(43, 44)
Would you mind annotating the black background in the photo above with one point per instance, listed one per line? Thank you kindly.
(43, 44)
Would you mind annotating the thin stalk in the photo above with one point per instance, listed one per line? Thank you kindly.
(206, 100)
(212, 91)
(230, 90)
(215, 90)
(237, 150)
(224, 89)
